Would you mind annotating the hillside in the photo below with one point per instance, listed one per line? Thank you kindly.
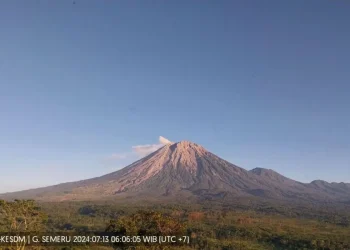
(186, 169)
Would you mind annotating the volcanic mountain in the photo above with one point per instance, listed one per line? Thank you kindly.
(187, 169)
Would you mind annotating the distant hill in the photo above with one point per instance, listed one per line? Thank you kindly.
(186, 169)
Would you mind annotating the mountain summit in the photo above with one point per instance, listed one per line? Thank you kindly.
(188, 169)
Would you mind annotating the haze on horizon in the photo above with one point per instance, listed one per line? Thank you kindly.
(87, 88)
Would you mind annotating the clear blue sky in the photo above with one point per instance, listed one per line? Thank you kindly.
(259, 83)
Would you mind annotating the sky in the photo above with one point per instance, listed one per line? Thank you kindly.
(87, 87)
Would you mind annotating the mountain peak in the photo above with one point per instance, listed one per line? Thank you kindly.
(187, 147)
(186, 168)
(187, 143)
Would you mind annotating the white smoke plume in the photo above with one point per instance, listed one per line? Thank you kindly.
(141, 150)
(164, 140)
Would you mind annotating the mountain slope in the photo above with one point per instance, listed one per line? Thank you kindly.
(187, 169)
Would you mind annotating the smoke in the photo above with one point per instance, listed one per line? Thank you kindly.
(164, 140)
(141, 150)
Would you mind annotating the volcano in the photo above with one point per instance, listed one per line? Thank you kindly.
(185, 169)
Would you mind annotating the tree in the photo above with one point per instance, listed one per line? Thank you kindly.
(21, 216)
(145, 223)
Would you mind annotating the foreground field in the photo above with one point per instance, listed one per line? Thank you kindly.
(216, 227)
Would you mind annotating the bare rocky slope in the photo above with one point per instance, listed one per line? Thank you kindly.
(186, 169)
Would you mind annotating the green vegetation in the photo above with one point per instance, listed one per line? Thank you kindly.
(219, 226)
(21, 216)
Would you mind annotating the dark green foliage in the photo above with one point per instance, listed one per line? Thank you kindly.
(146, 223)
(218, 225)
(21, 216)
(265, 226)
(87, 210)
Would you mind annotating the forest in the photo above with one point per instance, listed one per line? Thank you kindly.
(208, 225)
